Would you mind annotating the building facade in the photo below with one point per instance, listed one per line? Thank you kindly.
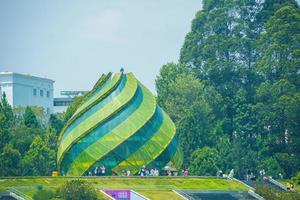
(118, 125)
(27, 90)
(61, 103)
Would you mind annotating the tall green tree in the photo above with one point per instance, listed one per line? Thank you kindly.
(180, 94)
(278, 96)
(10, 161)
(30, 120)
(6, 121)
(39, 160)
(6, 112)
(245, 57)
(56, 121)
(4, 132)
(51, 138)
(269, 7)
(221, 49)
(279, 47)
(22, 137)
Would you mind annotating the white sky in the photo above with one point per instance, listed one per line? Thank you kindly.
(74, 42)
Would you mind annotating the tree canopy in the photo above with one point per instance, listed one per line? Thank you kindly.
(26, 147)
(236, 86)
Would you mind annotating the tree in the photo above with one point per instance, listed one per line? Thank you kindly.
(205, 161)
(9, 161)
(22, 137)
(288, 163)
(39, 160)
(181, 95)
(6, 121)
(30, 119)
(4, 133)
(278, 96)
(51, 138)
(236, 86)
(279, 47)
(269, 7)
(56, 122)
(248, 53)
(165, 85)
(6, 112)
(221, 49)
(272, 167)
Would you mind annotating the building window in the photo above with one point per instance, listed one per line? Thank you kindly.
(41, 93)
(34, 92)
(48, 94)
(62, 103)
(48, 110)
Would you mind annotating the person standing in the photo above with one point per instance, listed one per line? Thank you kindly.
(96, 171)
(248, 175)
(152, 172)
(123, 173)
(102, 170)
(143, 170)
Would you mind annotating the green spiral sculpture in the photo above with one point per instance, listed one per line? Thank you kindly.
(120, 126)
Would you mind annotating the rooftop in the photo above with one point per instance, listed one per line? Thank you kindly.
(27, 76)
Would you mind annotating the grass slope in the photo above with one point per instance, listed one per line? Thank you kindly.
(151, 187)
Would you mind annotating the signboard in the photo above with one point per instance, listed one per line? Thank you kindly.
(119, 194)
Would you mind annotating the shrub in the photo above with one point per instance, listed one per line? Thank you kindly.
(296, 179)
(44, 195)
(78, 190)
(204, 161)
(270, 193)
(289, 163)
(272, 167)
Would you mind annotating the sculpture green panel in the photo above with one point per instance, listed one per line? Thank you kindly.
(118, 125)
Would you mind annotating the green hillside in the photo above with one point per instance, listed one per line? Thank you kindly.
(154, 188)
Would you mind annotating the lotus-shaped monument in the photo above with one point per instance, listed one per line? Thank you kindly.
(120, 126)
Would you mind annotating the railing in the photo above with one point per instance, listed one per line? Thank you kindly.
(18, 194)
(277, 184)
(255, 195)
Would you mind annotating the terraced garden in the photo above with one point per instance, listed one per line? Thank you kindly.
(151, 187)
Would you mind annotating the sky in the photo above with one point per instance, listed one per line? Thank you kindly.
(74, 42)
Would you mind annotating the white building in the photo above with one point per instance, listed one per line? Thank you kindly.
(61, 103)
(27, 90)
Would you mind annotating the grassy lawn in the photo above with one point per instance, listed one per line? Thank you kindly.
(153, 188)
(158, 195)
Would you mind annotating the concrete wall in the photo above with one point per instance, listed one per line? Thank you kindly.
(6, 86)
(20, 90)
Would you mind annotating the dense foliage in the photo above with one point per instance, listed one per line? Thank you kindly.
(28, 143)
(270, 193)
(28, 138)
(204, 161)
(78, 189)
(235, 91)
(44, 195)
